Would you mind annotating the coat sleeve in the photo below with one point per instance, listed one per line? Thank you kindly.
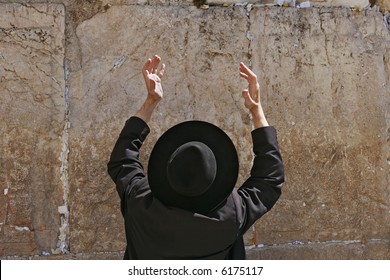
(263, 188)
(124, 166)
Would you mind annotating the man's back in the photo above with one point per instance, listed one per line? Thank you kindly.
(156, 231)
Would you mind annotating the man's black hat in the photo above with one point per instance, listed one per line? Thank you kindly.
(193, 166)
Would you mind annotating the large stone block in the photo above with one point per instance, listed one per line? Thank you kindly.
(325, 80)
(332, 250)
(32, 113)
(202, 50)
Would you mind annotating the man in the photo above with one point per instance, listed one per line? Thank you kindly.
(187, 206)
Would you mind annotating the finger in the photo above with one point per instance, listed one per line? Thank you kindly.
(244, 67)
(146, 67)
(248, 101)
(245, 76)
(156, 60)
(161, 72)
(246, 70)
(246, 95)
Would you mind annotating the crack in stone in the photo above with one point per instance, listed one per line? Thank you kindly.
(326, 36)
(250, 38)
(35, 8)
(249, 34)
(63, 238)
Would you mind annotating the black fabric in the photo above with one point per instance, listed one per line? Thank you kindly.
(156, 231)
(192, 169)
(237, 251)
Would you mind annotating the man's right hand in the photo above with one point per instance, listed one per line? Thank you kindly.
(153, 77)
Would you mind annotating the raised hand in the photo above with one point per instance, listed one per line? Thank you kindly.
(252, 96)
(252, 93)
(152, 77)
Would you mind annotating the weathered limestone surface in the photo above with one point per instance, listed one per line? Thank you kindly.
(324, 74)
(384, 5)
(345, 3)
(335, 154)
(202, 50)
(32, 110)
(353, 250)
(325, 80)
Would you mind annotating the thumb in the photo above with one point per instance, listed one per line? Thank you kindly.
(248, 101)
(245, 94)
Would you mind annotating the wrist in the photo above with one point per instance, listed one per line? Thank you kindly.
(255, 112)
(146, 110)
(258, 117)
(151, 102)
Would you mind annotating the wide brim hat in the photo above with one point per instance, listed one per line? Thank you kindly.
(226, 164)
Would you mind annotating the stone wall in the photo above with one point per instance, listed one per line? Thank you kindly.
(70, 77)
(32, 111)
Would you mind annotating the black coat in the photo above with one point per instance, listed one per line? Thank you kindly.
(156, 231)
